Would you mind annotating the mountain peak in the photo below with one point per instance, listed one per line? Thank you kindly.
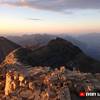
(59, 40)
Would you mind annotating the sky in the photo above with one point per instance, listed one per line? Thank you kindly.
(49, 16)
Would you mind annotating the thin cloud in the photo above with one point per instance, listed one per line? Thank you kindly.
(54, 5)
(35, 19)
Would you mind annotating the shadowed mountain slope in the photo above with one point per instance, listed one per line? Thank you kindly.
(6, 46)
(93, 44)
(56, 53)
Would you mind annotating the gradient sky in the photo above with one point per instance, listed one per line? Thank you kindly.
(49, 16)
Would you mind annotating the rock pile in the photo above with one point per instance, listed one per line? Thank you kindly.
(44, 85)
(13, 81)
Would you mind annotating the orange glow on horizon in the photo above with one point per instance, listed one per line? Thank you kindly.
(8, 25)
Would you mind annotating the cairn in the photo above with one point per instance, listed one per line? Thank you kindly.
(13, 81)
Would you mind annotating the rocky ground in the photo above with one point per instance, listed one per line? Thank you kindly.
(40, 84)
(43, 83)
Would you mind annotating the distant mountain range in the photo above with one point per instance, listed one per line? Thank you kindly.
(89, 43)
(31, 40)
(57, 52)
(37, 40)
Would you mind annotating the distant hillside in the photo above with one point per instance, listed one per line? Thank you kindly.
(6, 46)
(89, 43)
(37, 40)
(56, 53)
(93, 44)
(32, 40)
